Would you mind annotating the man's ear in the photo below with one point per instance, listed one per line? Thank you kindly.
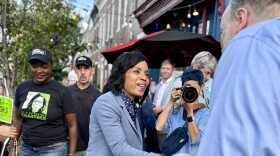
(241, 16)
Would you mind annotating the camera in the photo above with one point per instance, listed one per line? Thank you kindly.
(189, 93)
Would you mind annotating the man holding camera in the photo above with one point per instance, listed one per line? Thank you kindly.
(190, 114)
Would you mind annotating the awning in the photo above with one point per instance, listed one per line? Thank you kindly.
(129, 44)
(179, 46)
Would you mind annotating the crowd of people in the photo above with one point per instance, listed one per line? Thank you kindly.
(236, 115)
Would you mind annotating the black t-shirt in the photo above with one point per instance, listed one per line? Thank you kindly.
(83, 101)
(43, 108)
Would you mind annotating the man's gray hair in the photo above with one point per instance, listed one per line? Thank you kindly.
(258, 7)
(203, 59)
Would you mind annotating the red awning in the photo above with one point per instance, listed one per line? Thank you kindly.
(178, 46)
(128, 44)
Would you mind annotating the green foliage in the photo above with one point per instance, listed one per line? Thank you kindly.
(34, 23)
(58, 75)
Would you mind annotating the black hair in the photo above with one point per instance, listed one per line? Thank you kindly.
(192, 74)
(121, 65)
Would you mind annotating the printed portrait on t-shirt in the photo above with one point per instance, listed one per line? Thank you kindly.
(36, 106)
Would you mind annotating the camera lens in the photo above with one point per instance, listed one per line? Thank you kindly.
(189, 94)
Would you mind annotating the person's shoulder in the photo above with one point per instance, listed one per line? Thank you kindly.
(72, 87)
(109, 96)
(267, 26)
(55, 85)
(177, 81)
(261, 29)
(204, 110)
(159, 83)
(106, 100)
(95, 90)
(25, 83)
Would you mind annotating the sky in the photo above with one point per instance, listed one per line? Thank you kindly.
(82, 5)
(83, 9)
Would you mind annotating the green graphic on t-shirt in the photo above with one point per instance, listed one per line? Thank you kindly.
(36, 106)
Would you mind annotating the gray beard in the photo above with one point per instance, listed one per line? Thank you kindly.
(227, 38)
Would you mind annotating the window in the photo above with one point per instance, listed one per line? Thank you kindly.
(112, 20)
(197, 28)
(119, 15)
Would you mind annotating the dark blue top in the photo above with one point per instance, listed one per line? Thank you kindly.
(83, 102)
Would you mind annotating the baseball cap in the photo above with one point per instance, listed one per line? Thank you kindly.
(83, 60)
(41, 54)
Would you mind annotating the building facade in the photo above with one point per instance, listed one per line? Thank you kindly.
(113, 22)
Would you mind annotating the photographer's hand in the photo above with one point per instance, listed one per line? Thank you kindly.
(187, 106)
(175, 94)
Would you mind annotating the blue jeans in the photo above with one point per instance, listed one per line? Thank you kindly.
(56, 149)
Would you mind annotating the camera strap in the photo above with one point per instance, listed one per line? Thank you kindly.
(198, 106)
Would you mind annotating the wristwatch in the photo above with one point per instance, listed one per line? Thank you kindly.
(190, 118)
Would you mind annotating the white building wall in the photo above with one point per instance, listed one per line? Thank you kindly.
(111, 29)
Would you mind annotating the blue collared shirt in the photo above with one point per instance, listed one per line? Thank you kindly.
(176, 120)
(245, 103)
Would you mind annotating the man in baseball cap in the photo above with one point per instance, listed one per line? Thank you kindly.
(41, 54)
(84, 96)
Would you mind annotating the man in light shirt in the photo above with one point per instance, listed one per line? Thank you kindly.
(163, 92)
(245, 108)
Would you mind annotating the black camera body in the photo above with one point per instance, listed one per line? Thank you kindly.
(189, 93)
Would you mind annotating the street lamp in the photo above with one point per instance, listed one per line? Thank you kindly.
(189, 12)
(168, 26)
(130, 24)
(195, 13)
